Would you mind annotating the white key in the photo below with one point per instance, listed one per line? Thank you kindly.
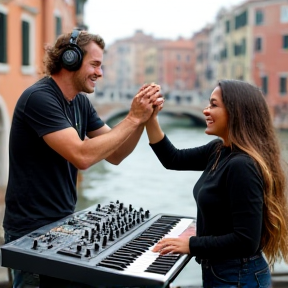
(148, 257)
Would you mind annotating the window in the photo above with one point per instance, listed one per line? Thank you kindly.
(200, 58)
(200, 45)
(283, 85)
(241, 20)
(227, 25)
(218, 39)
(258, 44)
(264, 84)
(121, 50)
(209, 73)
(259, 17)
(177, 69)
(79, 7)
(149, 70)
(223, 53)
(285, 42)
(243, 46)
(3, 38)
(28, 43)
(58, 26)
(284, 14)
(237, 49)
(197, 83)
(25, 43)
(240, 49)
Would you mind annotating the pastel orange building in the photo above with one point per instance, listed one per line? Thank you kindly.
(26, 26)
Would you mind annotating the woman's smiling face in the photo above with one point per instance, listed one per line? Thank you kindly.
(216, 116)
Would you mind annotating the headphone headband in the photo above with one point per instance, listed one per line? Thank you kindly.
(74, 36)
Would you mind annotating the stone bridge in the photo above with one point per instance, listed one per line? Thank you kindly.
(111, 104)
(112, 110)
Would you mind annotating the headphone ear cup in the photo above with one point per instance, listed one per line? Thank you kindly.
(72, 58)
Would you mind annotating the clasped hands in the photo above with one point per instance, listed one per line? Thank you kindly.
(147, 100)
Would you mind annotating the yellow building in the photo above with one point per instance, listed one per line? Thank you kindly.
(235, 54)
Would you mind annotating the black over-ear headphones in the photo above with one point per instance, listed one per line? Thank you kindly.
(72, 56)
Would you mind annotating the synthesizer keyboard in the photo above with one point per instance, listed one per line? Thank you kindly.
(102, 245)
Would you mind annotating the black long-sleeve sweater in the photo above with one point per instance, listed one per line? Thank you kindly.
(229, 198)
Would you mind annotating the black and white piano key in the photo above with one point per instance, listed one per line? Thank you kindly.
(143, 261)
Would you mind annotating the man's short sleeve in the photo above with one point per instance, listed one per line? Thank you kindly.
(44, 113)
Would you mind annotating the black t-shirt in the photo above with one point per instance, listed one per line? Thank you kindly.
(42, 184)
(229, 198)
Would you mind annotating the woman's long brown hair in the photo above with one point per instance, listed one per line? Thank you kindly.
(251, 130)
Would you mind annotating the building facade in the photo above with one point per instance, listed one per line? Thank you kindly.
(255, 49)
(270, 56)
(26, 26)
(246, 42)
(176, 65)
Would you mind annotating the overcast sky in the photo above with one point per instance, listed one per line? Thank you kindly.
(116, 19)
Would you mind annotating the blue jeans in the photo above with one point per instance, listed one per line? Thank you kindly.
(235, 273)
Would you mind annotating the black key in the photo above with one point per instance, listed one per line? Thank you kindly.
(126, 253)
(112, 266)
(136, 248)
(107, 261)
(127, 258)
(158, 271)
(130, 250)
(118, 259)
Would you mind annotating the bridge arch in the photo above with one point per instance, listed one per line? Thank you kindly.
(194, 113)
(187, 103)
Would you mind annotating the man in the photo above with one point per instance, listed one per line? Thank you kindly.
(56, 131)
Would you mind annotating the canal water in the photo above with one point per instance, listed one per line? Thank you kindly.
(142, 181)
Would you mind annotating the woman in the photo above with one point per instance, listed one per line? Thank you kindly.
(241, 201)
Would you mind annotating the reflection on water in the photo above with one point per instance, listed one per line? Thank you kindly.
(141, 180)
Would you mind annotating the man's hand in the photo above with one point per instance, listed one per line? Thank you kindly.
(144, 102)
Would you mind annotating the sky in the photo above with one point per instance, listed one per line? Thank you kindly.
(117, 19)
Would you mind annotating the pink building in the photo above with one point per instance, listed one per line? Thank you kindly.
(176, 64)
(270, 55)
